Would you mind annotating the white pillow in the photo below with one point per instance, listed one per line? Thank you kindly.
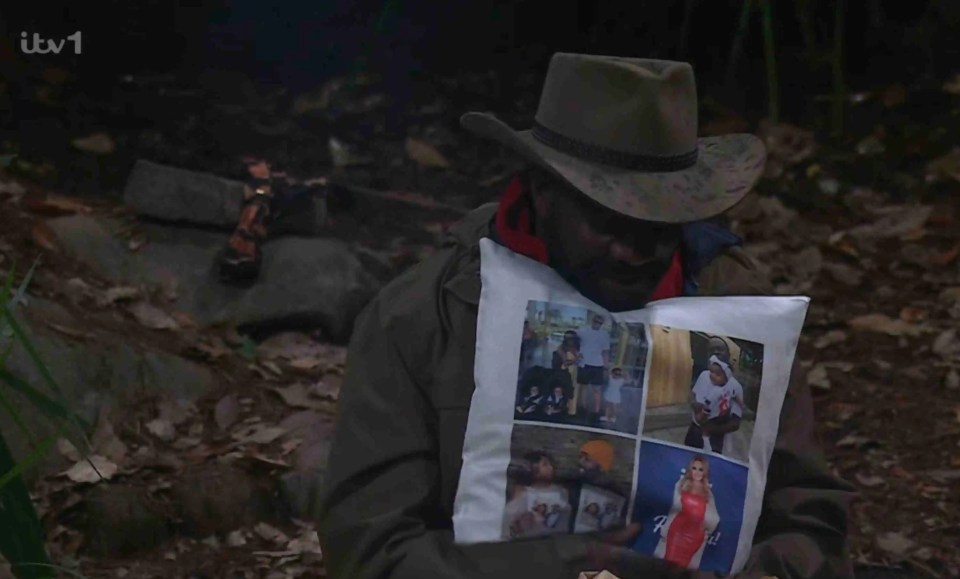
(584, 447)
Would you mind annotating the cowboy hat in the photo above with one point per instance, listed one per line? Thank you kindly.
(624, 132)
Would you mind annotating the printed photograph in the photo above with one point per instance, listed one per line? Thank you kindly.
(581, 368)
(704, 391)
(690, 505)
(600, 510)
(556, 474)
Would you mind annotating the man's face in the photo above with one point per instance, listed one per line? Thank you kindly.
(718, 348)
(597, 323)
(587, 463)
(615, 260)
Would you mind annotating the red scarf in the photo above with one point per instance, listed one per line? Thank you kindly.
(514, 227)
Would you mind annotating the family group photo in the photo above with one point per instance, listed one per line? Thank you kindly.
(704, 391)
(580, 367)
(562, 480)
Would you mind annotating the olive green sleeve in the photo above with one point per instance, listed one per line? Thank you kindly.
(380, 515)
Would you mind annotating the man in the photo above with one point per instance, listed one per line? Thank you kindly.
(616, 167)
(595, 349)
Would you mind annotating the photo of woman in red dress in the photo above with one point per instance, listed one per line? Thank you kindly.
(693, 516)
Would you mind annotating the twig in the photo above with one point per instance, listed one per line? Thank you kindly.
(923, 567)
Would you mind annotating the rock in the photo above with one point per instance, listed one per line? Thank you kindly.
(174, 194)
(216, 498)
(123, 519)
(92, 373)
(310, 281)
(895, 543)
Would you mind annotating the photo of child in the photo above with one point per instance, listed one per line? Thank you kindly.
(556, 473)
(704, 391)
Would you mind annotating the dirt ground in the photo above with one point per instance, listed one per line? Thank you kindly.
(868, 225)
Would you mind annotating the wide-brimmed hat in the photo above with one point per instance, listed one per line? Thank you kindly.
(624, 132)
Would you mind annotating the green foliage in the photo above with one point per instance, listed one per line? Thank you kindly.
(22, 540)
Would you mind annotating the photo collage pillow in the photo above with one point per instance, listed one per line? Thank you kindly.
(585, 420)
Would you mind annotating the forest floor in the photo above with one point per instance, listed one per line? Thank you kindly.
(867, 224)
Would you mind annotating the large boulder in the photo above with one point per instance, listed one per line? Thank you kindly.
(307, 281)
(102, 369)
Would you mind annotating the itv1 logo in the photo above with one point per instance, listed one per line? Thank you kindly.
(33, 44)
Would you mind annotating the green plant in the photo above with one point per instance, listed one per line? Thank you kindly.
(22, 540)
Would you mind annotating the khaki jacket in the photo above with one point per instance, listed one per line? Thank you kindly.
(396, 455)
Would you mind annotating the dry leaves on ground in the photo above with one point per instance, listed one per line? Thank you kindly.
(884, 324)
(153, 317)
(425, 154)
(92, 469)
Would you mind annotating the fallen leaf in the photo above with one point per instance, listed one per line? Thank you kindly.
(328, 387)
(269, 533)
(272, 367)
(895, 544)
(162, 429)
(787, 143)
(153, 317)
(118, 294)
(226, 411)
(952, 85)
(853, 440)
(44, 237)
(946, 345)
(259, 434)
(884, 324)
(817, 377)
(97, 143)
(947, 166)
(425, 154)
(829, 339)
(93, 469)
(69, 331)
(236, 539)
(297, 396)
(900, 221)
(183, 320)
(870, 481)
(213, 349)
(343, 156)
(136, 243)
(307, 542)
(56, 205)
(68, 450)
(306, 363)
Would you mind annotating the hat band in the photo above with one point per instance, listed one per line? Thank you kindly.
(613, 157)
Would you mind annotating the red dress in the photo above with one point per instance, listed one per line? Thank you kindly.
(686, 534)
